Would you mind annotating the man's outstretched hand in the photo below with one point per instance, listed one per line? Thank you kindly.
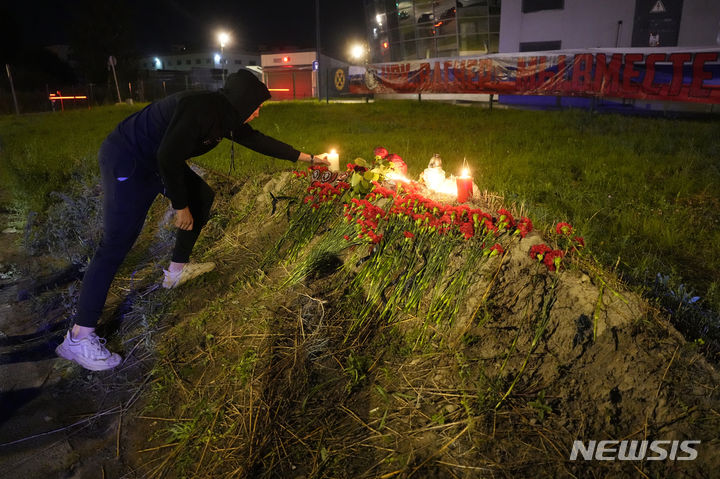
(184, 219)
(321, 160)
(317, 160)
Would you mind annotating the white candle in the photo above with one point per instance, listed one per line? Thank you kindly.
(334, 160)
(434, 178)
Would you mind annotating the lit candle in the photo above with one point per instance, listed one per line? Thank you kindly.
(464, 186)
(334, 160)
(434, 178)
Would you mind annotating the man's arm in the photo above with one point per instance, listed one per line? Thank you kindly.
(177, 145)
(256, 141)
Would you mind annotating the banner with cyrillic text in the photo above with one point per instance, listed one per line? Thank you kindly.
(690, 75)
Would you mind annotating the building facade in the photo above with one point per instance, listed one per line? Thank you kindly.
(290, 75)
(295, 75)
(538, 25)
(209, 60)
(165, 74)
(418, 29)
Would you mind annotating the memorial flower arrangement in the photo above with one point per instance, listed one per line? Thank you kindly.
(404, 250)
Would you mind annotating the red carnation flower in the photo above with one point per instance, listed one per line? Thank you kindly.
(467, 229)
(398, 162)
(524, 226)
(579, 241)
(539, 250)
(408, 234)
(496, 249)
(506, 218)
(553, 259)
(381, 152)
(563, 229)
(490, 226)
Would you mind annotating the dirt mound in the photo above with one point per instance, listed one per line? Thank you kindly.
(323, 355)
(387, 339)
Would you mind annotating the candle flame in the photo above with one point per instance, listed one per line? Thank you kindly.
(435, 181)
(333, 152)
(465, 173)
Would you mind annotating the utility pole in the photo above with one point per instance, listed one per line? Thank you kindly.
(112, 61)
(12, 88)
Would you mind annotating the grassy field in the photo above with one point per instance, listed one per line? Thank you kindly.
(644, 192)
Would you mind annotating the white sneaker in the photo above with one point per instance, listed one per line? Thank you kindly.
(89, 352)
(189, 271)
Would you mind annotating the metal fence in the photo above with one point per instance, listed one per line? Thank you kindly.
(147, 87)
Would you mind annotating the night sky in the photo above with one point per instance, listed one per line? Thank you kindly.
(159, 25)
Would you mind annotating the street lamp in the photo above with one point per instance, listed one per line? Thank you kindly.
(223, 39)
(358, 51)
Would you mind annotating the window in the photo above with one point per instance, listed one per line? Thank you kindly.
(198, 61)
(424, 12)
(405, 13)
(252, 62)
(188, 62)
(238, 62)
(408, 50)
(474, 44)
(472, 9)
(529, 6)
(446, 46)
(207, 60)
(179, 62)
(540, 46)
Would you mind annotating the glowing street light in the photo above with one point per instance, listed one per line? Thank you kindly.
(223, 39)
(358, 51)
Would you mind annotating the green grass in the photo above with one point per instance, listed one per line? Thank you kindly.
(644, 191)
(41, 152)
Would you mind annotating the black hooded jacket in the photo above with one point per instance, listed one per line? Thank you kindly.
(163, 135)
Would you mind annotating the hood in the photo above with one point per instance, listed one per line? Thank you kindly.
(245, 93)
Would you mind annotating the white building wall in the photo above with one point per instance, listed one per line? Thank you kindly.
(700, 23)
(293, 59)
(593, 24)
(207, 60)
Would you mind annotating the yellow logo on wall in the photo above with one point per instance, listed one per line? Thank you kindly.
(339, 79)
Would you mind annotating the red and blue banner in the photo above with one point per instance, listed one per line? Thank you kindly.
(671, 74)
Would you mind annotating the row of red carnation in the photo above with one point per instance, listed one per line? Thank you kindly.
(437, 217)
(431, 216)
(324, 192)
